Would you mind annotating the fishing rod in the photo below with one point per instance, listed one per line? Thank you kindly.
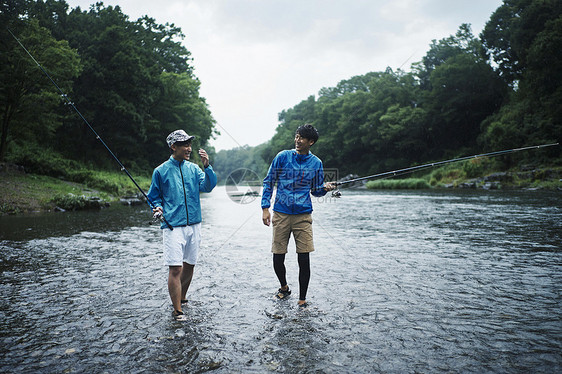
(69, 102)
(394, 173)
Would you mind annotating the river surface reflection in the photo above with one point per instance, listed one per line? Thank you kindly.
(402, 282)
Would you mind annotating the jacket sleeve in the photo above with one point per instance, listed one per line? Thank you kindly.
(269, 181)
(154, 192)
(207, 179)
(318, 182)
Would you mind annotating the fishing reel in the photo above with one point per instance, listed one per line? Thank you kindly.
(336, 193)
(157, 217)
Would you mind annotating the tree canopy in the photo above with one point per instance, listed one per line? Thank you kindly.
(132, 80)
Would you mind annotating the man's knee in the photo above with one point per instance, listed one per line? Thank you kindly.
(304, 259)
(175, 271)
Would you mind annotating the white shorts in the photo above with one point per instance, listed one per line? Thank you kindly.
(181, 244)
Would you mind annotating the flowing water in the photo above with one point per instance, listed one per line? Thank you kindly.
(402, 282)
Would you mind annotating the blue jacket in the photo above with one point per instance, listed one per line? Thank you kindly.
(175, 187)
(297, 176)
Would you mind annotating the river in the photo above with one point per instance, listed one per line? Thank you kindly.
(402, 282)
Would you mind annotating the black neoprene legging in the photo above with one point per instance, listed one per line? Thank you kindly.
(304, 271)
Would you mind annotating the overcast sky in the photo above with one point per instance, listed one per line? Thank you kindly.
(256, 58)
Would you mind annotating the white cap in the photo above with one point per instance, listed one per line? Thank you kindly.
(178, 136)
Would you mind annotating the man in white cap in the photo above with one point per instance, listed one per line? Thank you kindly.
(174, 192)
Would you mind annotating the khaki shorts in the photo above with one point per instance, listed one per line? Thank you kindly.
(298, 224)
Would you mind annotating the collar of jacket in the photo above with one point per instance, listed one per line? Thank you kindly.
(176, 162)
(301, 158)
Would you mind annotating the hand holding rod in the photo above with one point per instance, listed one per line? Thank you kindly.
(69, 102)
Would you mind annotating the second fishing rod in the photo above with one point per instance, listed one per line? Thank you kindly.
(394, 173)
(69, 102)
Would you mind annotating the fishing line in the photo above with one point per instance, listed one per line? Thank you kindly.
(69, 102)
(394, 173)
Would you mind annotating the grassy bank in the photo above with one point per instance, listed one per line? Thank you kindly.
(398, 184)
(477, 174)
(25, 193)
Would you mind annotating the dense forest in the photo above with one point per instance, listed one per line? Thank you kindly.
(468, 95)
(133, 81)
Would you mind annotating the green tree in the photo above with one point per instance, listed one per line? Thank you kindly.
(120, 90)
(403, 127)
(135, 86)
(351, 122)
(116, 88)
(511, 31)
(525, 40)
(178, 106)
(392, 93)
(161, 48)
(463, 42)
(51, 14)
(32, 110)
(465, 92)
(459, 91)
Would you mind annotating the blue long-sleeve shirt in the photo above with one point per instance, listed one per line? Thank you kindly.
(175, 187)
(296, 176)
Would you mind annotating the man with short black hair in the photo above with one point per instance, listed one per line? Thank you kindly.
(174, 191)
(297, 173)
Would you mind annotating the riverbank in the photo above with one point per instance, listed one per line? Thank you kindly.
(31, 193)
(529, 178)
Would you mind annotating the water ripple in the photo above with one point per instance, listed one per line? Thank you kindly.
(401, 282)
